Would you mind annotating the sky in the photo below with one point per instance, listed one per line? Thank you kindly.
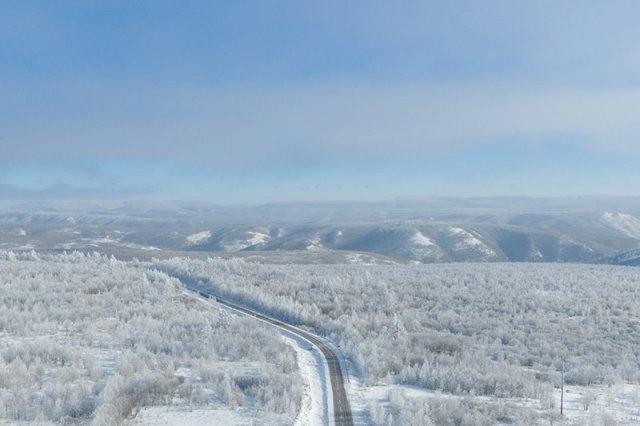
(263, 101)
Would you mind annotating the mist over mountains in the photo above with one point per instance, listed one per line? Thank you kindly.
(574, 229)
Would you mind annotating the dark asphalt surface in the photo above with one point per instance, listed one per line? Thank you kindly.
(341, 407)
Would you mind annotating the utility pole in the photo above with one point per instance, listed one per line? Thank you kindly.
(562, 390)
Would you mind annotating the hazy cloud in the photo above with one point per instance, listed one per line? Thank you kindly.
(239, 128)
(66, 191)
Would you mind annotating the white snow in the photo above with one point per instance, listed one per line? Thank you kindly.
(359, 258)
(355, 390)
(534, 254)
(423, 247)
(627, 224)
(366, 259)
(314, 243)
(468, 241)
(105, 240)
(420, 239)
(198, 237)
(257, 237)
(172, 416)
(315, 404)
(253, 238)
(140, 247)
(617, 404)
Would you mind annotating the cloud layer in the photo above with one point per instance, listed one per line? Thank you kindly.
(249, 98)
(235, 128)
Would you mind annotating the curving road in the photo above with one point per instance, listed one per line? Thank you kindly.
(341, 407)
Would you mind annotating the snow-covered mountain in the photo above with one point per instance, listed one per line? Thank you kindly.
(433, 242)
(627, 258)
(438, 230)
(627, 224)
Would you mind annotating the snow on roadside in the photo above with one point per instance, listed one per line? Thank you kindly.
(315, 407)
(317, 401)
(355, 390)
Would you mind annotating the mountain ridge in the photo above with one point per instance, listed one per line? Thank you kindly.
(428, 230)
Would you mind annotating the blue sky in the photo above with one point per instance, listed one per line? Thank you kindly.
(248, 102)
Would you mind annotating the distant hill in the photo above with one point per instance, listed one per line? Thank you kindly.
(580, 229)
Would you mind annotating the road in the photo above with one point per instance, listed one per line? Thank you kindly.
(341, 407)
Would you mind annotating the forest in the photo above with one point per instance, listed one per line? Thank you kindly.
(86, 338)
(90, 339)
(501, 331)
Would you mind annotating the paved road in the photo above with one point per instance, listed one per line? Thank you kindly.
(341, 407)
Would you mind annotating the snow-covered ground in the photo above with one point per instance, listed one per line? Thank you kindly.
(599, 405)
(170, 416)
(317, 391)
(355, 391)
(614, 405)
